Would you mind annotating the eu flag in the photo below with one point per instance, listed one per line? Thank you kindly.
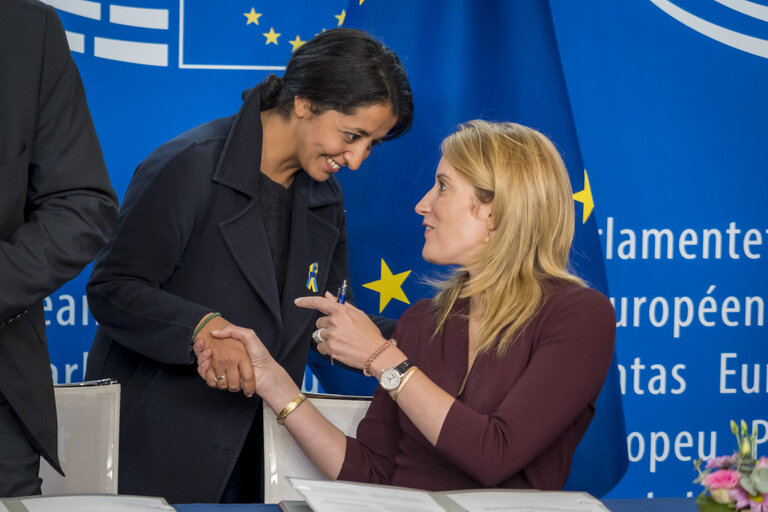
(496, 60)
(243, 34)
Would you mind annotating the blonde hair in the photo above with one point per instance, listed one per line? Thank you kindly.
(521, 172)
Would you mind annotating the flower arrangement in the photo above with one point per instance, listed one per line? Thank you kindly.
(735, 482)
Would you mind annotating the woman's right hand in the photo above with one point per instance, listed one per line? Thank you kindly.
(228, 366)
(260, 360)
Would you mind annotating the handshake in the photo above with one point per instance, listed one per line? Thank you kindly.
(228, 356)
(233, 358)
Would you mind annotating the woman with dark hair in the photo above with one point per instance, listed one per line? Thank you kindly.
(493, 382)
(226, 225)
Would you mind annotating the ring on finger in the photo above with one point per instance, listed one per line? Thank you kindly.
(217, 379)
(317, 336)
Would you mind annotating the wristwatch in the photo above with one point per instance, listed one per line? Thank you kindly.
(390, 378)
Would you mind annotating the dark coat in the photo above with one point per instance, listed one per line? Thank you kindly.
(56, 202)
(190, 240)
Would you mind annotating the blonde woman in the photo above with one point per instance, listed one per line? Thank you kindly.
(493, 382)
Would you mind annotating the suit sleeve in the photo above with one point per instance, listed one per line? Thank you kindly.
(370, 457)
(70, 205)
(156, 222)
(565, 373)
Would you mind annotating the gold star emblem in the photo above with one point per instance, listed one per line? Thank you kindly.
(585, 198)
(253, 16)
(361, 2)
(389, 286)
(296, 43)
(341, 17)
(271, 36)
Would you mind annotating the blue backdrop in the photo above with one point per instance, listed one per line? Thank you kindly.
(659, 109)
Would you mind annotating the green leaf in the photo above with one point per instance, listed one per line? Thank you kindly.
(760, 479)
(707, 504)
(746, 483)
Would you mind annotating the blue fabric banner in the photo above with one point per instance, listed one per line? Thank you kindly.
(670, 105)
(667, 98)
(495, 60)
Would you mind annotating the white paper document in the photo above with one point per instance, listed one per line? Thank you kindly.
(96, 503)
(526, 501)
(325, 496)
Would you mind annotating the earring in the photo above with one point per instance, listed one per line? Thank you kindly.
(488, 235)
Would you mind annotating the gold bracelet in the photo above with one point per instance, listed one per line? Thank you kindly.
(377, 353)
(410, 371)
(288, 409)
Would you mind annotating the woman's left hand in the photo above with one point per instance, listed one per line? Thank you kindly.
(347, 334)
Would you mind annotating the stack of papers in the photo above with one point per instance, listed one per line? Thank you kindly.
(324, 496)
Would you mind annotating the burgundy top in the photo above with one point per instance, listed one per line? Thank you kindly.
(520, 417)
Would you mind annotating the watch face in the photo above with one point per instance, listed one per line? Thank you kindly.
(390, 379)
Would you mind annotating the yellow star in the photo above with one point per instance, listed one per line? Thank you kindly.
(389, 286)
(585, 198)
(271, 36)
(253, 16)
(361, 2)
(296, 43)
(341, 17)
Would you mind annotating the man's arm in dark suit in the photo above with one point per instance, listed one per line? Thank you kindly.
(70, 205)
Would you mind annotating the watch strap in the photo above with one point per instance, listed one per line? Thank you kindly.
(403, 367)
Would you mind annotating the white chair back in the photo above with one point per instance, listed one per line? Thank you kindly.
(283, 457)
(89, 422)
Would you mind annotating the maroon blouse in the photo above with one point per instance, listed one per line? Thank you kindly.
(520, 417)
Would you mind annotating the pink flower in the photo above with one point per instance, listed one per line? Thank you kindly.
(722, 479)
(762, 462)
(757, 503)
(724, 461)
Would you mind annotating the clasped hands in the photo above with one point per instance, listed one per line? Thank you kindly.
(222, 359)
(236, 353)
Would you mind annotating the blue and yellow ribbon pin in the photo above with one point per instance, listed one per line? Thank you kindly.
(312, 279)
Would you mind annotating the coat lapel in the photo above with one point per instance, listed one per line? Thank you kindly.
(313, 240)
(244, 232)
(246, 240)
